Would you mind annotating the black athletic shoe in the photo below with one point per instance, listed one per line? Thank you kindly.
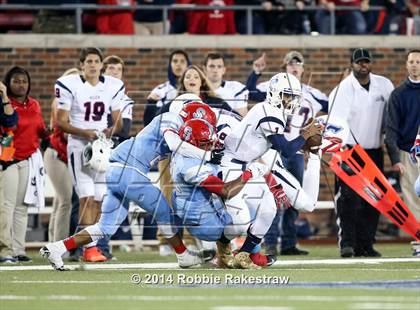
(293, 251)
(346, 252)
(23, 258)
(371, 252)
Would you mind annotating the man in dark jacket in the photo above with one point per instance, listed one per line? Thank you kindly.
(402, 123)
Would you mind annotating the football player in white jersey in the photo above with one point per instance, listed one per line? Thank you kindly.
(313, 102)
(114, 66)
(83, 103)
(261, 129)
(233, 92)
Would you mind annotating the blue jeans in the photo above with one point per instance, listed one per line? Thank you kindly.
(348, 22)
(295, 165)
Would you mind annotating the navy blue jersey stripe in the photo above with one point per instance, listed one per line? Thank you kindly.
(269, 119)
(220, 127)
(241, 91)
(122, 87)
(63, 86)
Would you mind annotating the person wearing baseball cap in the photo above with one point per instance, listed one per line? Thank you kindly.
(360, 54)
(360, 99)
(314, 102)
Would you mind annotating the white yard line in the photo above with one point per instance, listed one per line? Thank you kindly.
(374, 299)
(164, 266)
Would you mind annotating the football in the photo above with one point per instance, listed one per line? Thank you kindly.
(313, 141)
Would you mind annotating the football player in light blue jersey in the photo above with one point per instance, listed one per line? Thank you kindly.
(205, 216)
(127, 180)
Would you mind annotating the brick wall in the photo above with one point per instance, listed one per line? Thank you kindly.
(146, 68)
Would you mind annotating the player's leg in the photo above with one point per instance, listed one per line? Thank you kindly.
(84, 179)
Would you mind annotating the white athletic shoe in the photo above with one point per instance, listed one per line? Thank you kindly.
(53, 252)
(165, 250)
(189, 258)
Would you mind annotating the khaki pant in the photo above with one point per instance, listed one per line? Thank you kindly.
(59, 174)
(13, 212)
(407, 181)
(146, 29)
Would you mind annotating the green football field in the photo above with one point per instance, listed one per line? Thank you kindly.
(147, 281)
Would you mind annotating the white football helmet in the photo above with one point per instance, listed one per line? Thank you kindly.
(180, 101)
(96, 154)
(284, 83)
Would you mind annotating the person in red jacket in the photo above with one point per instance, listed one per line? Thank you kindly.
(30, 129)
(110, 21)
(212, 22)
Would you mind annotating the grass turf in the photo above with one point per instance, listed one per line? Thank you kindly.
(310, 286)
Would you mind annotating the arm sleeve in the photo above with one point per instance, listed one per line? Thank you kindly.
(287, 148)
(8, 120)
(125, 130)
(149, 112)
(64, 96)
(213, 184)
(254, 93)
(118, 97)
(175, 144)
(392, 122)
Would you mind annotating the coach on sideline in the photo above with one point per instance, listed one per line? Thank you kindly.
(402, 123)
(360, 99)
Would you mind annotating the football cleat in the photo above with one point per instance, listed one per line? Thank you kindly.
(224, 255)
(243, 260)
(262, 260)
(93, 254)
(189, 258)
(52, 253)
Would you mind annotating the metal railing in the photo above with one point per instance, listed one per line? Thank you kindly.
(80, 8)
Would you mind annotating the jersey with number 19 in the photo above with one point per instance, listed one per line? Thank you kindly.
(88, 105)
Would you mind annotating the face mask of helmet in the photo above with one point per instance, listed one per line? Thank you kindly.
(285, 92)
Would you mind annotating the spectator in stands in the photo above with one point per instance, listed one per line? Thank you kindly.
(387, 20)
(314, 102)
(194, 81)
(360, 99)
(55, 160)
(179, 18)
(413, 19)
(258, 17)
(233, 92)
(164, 93)
(150, 22)
(8, 122)
(289, 22)
(110, 21)
(24, 174)
(212, 22)
(347, 22)
(402, 123)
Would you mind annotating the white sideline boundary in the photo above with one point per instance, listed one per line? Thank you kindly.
(146, 266)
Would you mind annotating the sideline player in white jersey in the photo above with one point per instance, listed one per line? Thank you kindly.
(233, 92)
(83, 104)
(261, 129)
(114, 66)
